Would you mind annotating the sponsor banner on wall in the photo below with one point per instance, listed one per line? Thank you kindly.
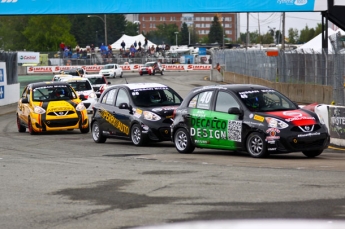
(44, 7)
(28, 57)
(336, 122)
(126, 67)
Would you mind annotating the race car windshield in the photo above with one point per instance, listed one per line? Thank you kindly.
(266, 100)
(149, 64)
(152, 97)
(53, 93)
(96, 80)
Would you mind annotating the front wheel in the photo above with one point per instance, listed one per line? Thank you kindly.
(121, 74)
(97, 133)
(137, 136)
(21, 128)
(183, 142)
(30, 128)
(154, 72)
(162, 73)
(85, 130)
(313, 153)
(256, 145)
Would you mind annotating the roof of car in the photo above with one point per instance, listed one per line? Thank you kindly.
(133, 86)
(42, 84)
(93, 76)
(233, 87)
(75, 79)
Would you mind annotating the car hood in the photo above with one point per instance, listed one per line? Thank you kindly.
(60, 106)
(296, 117)
(161, 111)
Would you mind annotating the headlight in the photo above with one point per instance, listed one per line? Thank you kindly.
(80, 107)
(92, 95)
(151, 116)
(39, 110)
(276, 123)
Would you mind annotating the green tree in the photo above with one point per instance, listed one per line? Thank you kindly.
(293, 35)
(163, 33)
(11, 29)
(45, 33)
(216, 31)
(306, 34)
(267, 38)
(131, 29)
(184, 34)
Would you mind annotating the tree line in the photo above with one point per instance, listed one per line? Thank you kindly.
(46, 32)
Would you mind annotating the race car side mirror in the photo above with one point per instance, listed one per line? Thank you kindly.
(236, 111)
(25, 100)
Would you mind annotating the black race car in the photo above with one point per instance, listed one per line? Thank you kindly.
(246, 117)
(139, 112)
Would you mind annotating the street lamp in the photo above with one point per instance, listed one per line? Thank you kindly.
(105, 26)
(274, 33)
(176, 37)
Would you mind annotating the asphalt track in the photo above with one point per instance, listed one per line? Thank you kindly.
(65, 180)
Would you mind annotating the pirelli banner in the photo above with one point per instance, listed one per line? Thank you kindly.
(128, 67)
(48, 7)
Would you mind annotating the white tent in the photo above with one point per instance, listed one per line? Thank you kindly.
(129, 40)
(315, 44)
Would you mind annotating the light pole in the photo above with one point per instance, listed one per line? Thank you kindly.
(176, 37)
(105, 26)
(274, 34)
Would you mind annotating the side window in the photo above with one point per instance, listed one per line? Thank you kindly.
(109, 98)
(202, 100)
(24, 95)
(122, 97)
(225, 101)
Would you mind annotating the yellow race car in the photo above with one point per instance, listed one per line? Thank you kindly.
(51, 106)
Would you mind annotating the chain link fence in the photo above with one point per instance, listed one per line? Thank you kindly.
(293, 67)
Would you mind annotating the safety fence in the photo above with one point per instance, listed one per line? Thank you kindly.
(293, 67)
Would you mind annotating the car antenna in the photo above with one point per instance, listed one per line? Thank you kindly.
(126, 81)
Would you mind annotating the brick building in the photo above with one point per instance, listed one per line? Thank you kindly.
(200, 21)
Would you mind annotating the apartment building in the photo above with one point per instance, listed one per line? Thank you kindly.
(200, 21)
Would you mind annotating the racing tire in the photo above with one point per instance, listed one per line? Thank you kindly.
(256, 145)
(162, 73)
(30, 128)
(141, 74)
(137, 135)
(114, 75)
(313, 153)
(21, 128)
(97, 135)
(85, 130)
(183, 142)
(121, 75)
(154, 72)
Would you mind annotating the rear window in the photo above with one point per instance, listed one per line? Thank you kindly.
(80, 85)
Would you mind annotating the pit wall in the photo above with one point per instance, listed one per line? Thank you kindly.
(8, 93)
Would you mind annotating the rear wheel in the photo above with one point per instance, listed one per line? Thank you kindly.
(21, 128)
(183, 142)
(256, 145)
(313, 153)
(97, 133)
(30, 128)
(137, 136)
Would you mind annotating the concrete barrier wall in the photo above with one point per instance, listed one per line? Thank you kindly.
(301, 93)
(8, 93)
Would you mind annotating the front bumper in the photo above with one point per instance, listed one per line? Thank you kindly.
(157, 131)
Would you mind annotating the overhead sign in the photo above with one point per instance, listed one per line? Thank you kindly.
(42, 7)
(28, 57)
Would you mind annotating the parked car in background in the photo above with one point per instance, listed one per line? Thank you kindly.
(139, 112)
(83, 87)
(51, 106)
(252, 118)
(98, 82)
(111, 71)
(151, 68)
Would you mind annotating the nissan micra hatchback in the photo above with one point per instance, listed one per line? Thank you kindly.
(245, 117)
(51, 106)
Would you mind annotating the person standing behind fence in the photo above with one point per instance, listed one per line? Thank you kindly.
(139, 44)
(217, 67)
(123, 45)
(135, 44)
(145, 44)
